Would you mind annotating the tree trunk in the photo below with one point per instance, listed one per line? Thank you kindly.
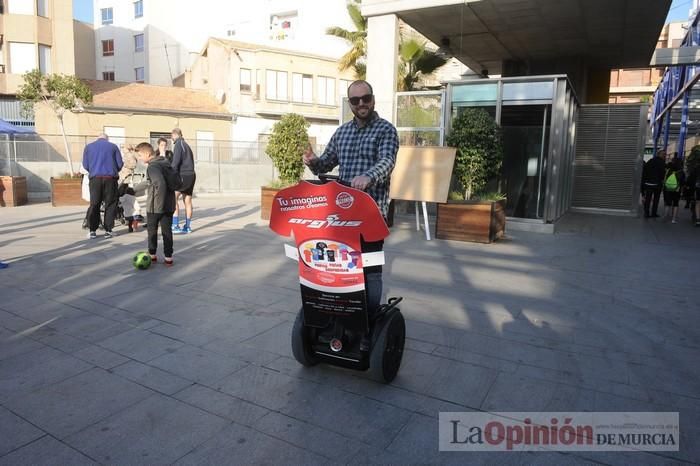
(65, 144)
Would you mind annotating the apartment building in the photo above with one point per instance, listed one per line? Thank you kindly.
(39, 34)
(258, 84)
(638, 84)
(155, 41)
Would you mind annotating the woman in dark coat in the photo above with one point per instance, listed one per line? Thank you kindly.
(163, 150)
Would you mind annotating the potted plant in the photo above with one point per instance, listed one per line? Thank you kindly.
(287, 142)
(61, 93)
(472, 214)
(13, 191)
(66, 190)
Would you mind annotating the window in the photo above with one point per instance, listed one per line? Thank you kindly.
(245, 80)
(343, 89)
(45, 59)
(116, 134)
(22, 57)
(138, 9)
(283, 26)
(107, 17)
(302, 88)
(108, 48)
(138, 43)
(42, 8)
(140, 74)
(276, 85)
(108, 75)
(326, 90)
(21, 7)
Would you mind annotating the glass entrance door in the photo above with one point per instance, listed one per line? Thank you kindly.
(525, 148)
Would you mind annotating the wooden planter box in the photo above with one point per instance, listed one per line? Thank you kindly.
(266, 197)
(67, 192)
(13, 191)
(480, 222)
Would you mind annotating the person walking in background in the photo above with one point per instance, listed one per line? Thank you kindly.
(183, 164)
(693, 184)
(162, 183)
(652, 183)
(163, 151)
(673, 181)
(85, 194)
(103, 161)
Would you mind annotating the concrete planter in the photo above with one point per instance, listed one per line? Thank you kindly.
(66, 192)
(476, 221)
(13, 191)
(267, 194)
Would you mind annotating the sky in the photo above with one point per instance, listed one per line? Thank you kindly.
(679, 10)
(82, 10)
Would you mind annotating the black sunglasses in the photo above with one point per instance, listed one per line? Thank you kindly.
(367, 98)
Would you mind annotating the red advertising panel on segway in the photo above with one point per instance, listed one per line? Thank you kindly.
(328, 221)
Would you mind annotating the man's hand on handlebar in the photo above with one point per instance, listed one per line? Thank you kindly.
(361, 182)
(308, 156)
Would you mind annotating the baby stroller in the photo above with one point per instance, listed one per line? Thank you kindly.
(128, 209)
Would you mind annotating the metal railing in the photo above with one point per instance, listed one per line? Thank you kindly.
(221, 166)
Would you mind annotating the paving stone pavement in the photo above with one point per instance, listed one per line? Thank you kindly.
(104, 364)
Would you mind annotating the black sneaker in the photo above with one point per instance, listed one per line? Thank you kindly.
(92, 235)
(109, 234)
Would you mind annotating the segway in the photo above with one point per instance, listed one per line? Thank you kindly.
(329, 220)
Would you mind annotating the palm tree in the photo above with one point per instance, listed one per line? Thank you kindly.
(355, 57)
(417, 61)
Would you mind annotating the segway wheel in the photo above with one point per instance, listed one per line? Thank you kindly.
(387, 351)
(301, 347)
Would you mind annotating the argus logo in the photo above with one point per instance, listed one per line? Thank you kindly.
(344, 200)
(332, 220)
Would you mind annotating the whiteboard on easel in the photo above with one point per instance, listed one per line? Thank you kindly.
(422, 174)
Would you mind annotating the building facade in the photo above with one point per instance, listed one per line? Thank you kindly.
(35, 34)
(155, 41)
(39, 34)
(638, 84)
(258, 84)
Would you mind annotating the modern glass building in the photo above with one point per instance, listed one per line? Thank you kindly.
(537, 117)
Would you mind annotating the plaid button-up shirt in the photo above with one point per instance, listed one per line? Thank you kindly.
(369, 150)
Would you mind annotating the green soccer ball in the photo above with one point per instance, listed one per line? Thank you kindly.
(142, 260)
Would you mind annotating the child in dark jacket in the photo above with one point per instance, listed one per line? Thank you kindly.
(162, 184)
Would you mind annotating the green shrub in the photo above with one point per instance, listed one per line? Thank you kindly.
(493, 196)
(287, 143)
(68, 176)
(477, 138)
(455, 196)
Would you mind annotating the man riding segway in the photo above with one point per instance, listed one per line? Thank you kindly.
(339, 225)
(365, 150)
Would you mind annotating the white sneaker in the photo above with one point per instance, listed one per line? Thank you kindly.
(674, 221)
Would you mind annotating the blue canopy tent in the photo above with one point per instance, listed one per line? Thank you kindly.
(8, 128)
(11, 131)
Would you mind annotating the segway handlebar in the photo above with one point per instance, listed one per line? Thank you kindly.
(323, 178)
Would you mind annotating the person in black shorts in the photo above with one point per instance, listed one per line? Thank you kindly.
(183, 164)
(674, 179)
